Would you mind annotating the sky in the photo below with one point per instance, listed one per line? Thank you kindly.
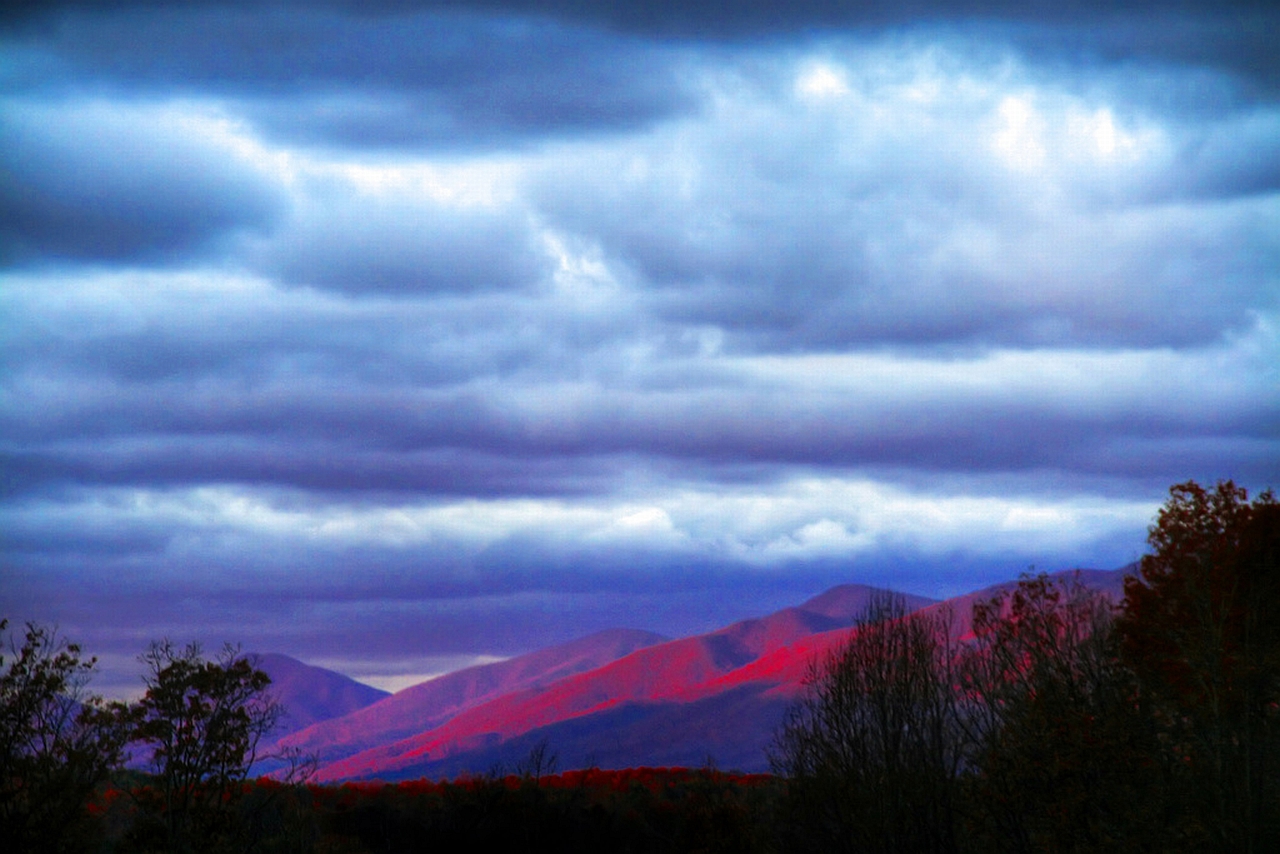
(397, 336)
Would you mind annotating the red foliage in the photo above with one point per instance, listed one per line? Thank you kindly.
(1205, 597)
(1201, 632)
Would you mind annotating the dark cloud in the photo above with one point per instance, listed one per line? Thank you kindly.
(1236, 35)
(333, 468)
(408, 249)
(534, 439)
(94, 184)
(462, 75)
(409, 330)
(1233, 38)
(318, 77)
(1230, 159)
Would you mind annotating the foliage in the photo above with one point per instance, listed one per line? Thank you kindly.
(629, 810)
(202, 721)
(1201, 632)
(57, 744)
(1048, 723)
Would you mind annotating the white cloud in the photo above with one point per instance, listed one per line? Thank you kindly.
(807, 518)
(937, 196)
(1019, 141)
(794, 519)
(821, 81)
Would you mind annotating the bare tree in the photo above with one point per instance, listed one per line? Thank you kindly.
(540, 761)
(872, 752)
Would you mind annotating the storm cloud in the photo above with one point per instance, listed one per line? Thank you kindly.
(398, 335)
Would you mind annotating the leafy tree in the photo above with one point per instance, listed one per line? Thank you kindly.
(202, 721)
(1201, 631)
(57, 744)
(872, 754)
(1052, 737)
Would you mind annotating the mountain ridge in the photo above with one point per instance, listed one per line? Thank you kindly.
(428, 704)
(683, 670)
(721, 694)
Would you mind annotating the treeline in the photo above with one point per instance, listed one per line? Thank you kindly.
(196, 729)
(633, 811)
(1059, 721)
(1051, 719)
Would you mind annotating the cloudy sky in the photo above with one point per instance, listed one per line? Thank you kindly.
(398, 335)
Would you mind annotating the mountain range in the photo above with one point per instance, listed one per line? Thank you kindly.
(617, 698)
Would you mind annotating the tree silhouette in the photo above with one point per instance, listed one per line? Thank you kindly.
(57, 744)
(1201, 631)
(202, 720)
(872, 754)
(1052, 737)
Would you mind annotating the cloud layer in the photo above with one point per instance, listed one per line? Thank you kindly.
(415, 333)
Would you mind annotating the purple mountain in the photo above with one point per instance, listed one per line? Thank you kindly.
(616, 699)
(428, 704)
(310, 694)
(690, 689)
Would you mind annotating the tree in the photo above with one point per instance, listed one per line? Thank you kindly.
(57, 744)
(540, 760)
(1201, 632)
(1052, 738)
(202, 721)
(871, 754)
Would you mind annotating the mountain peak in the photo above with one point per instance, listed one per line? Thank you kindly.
(599, 701)
(850, 601)
(311, 694)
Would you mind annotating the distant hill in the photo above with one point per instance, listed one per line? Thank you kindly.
(618, 699)
(428, 704)
(311, 694)
(682, 688)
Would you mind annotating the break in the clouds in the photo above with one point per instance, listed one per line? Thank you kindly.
(397, 336)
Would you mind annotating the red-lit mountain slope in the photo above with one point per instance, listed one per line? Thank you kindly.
(690, 673)
(428, 704)
(718, 696)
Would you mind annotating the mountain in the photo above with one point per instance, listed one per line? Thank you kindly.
(428, 704)
(619, 699)
(670, 700)
(310, 694)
